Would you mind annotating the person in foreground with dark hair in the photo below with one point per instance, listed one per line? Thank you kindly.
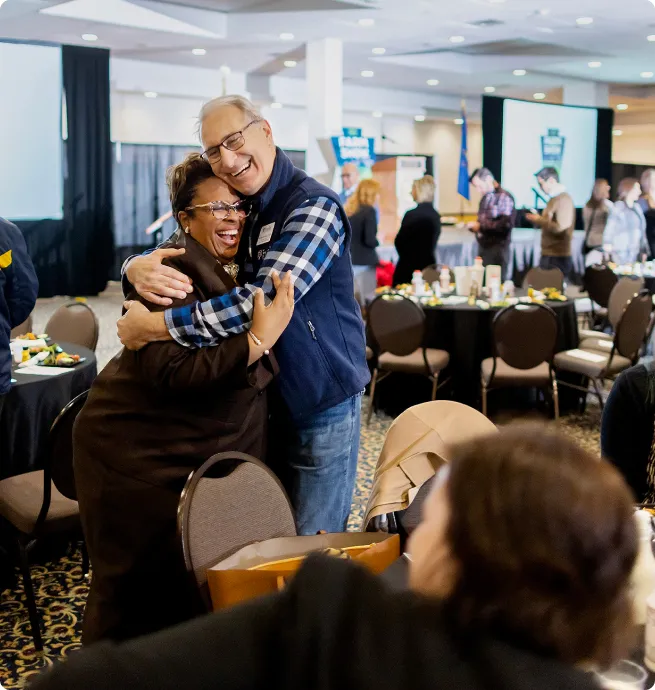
(519, 573)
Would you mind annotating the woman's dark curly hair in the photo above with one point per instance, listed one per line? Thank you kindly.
(183, 180)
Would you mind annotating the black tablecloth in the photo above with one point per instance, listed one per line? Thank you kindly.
(31, 407)
(465, 332)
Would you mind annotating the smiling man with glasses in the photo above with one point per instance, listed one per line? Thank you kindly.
(297, 225)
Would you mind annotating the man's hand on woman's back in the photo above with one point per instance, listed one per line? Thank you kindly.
(155, 282)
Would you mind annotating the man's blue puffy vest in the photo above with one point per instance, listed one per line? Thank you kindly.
(322, 353)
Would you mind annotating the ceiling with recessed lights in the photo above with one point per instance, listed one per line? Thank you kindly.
(516, 47)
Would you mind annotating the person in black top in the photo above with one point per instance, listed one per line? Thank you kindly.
(416, 241)
(627, 427)
(519, 575)
(361, 210)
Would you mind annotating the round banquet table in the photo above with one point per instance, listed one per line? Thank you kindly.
(31, 407)
(465, 332)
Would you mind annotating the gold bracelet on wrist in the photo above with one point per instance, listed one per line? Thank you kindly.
(257, 341)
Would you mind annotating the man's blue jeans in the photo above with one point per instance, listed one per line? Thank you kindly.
(317, 463)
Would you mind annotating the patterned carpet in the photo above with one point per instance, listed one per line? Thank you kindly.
(57, 576)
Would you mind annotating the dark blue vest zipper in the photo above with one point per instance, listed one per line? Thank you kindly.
(312, 329)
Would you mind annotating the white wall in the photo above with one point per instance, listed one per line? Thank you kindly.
(635, 145)
(443, 140)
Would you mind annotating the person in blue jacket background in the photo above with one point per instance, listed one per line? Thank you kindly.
(18, 291)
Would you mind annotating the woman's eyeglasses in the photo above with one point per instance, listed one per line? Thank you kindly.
(233, 142)
(221, 210)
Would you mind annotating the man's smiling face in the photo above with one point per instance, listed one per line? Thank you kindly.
(248, 168)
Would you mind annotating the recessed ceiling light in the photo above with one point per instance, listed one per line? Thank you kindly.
(544, 12)
(457, 39)
(651, 38)
(432, 82)
(150, 94)
(646, 75)
(419, 118)
(539, 96)
(490, 89)
(617, 132)
(519, 73)
(290, 63)
(622, 106)
(458, 121)
(89, 37)
(199, 51)
(379, 51)
(584, 21)
(594, 64)
(366, 21)
(367, 73)
(376, 113)
(276, 105)
(287, 37)
(225, 69)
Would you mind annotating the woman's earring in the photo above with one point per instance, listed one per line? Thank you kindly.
(186, 229)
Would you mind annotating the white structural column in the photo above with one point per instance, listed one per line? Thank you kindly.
(589, 93)
(324, 84)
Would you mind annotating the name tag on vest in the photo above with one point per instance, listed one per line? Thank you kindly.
(265, 234)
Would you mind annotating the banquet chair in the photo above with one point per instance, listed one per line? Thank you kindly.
(397, 328)
(598, 281)
(74, 322)
(22, 328)
(524, 338)
(622, 352)
(33, 504)
(540, 278)
(230, 501)
(624, 290)
(417, 444)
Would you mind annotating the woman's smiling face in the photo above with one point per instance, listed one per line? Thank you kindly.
(220, 237)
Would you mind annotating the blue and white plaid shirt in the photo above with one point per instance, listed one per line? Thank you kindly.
(311, 238)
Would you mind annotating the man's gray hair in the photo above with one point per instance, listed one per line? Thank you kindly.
(249, 109)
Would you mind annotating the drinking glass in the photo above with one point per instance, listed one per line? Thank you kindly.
(624, 675)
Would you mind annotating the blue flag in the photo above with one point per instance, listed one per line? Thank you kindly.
(463, 182)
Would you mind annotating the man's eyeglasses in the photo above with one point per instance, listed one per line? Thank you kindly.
(221, 210)
(232, 143)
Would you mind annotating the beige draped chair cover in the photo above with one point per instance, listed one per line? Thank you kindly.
(416, 445)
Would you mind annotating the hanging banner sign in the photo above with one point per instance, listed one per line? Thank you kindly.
(352, 147)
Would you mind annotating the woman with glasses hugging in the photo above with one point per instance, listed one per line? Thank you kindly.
(154, 415)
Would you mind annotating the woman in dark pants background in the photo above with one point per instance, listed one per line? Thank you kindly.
(416, 241)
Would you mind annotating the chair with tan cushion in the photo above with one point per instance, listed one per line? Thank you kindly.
(624, 290)
(524, 337)
(540, 278)
(32, 505)
(417, 444)
(595, 365)
(74, 322)
(230, 501)
(23, 328)
(397, 328)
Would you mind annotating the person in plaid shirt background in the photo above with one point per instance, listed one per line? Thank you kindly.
(493, 227)
(296, 225)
